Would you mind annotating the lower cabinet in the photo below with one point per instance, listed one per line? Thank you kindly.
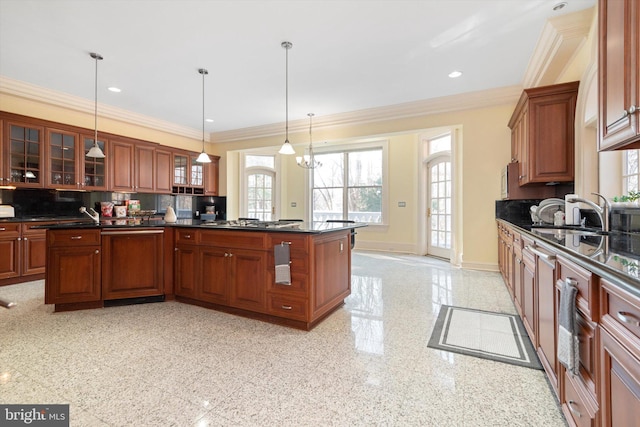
(619, 356)
(547, 313)
(73, 267)
(529, 292)
(132, 263)
(245, 272)
(10, 249)
(24, 250)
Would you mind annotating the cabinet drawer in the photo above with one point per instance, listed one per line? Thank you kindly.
(187, 235)
(298, 243)
(577, 406)
(299, 284)
(234, 239)
(291, 308)
(28, 228)
(620, 309)
(588, 338)
(9, 229)
(587, 298)
(73, 237)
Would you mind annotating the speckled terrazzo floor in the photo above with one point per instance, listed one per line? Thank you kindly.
(171, 364)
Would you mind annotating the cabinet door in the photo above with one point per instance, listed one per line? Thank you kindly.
(63, 149)
(181, 167)
(247, 279)
(529, 295)
(620, 383)
(331, 275)
(132, 263)
(72, 274)
(145, 168)
(10, 259)
(163, 171)
(547, 309)
(211, 173)
(214, 283)
(121, 163)
(34, 254)
(186, 274)
(619, 78)
(24, 163)
(196, 178)
(94, 169)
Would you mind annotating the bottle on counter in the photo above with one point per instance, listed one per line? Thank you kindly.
(558, 218)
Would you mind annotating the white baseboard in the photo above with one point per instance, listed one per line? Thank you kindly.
(484, 266)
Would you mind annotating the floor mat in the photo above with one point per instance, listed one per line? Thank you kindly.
(494, 336)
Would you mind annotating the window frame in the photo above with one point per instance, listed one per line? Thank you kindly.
(626, 176)
(382, 144)
(245, 171)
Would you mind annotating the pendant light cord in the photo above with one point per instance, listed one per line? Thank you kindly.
(286, 90)
(203, 73)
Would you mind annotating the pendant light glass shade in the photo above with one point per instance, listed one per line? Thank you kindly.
(308, 161)
(286, 148)
(203, 157)
(95, 151)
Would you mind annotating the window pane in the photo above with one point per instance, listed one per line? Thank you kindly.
(327, 204)
(365, 168)
(442, 143)
(365, 204)
(332, 171)
(264, 161)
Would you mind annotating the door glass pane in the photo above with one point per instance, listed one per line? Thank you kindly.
(260, 196)
(180, 170)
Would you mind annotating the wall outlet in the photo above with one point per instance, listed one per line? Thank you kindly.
(402, 204)
(294, 204)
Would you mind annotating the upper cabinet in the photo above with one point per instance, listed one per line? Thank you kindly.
(94, 169)
(542, 134)
(211, 174)
(188, 175)
(619, 75)
(22, 163)
(121, 160)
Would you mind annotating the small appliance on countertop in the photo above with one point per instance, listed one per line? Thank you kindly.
(7, 211)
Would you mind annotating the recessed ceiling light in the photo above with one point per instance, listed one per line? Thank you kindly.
(455, 74)
(114, 89)
(208, 120)
(559, 6)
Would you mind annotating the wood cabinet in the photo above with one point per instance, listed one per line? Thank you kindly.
(211, 177)
(547, 308)
(63, 148)
(234, 271)
(188, 175)
(121, 166)
(618, 74)
(73, 268)
(144, 171)
(542, 129)
(10, 249)
(619, 362)
(529, 291)
(132, 263)
(163, 175)
(22, 161)
(34, 249)
(94, 169)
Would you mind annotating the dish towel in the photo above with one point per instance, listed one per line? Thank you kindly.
(282, 261)
(568, 350)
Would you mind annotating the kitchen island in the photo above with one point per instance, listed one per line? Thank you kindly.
(223, 265)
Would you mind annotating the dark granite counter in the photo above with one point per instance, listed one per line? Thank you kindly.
(271, 226)
(614, 256)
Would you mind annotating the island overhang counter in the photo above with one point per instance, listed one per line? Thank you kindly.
(228, 266)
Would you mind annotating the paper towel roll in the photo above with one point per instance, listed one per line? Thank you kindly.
(571, 210)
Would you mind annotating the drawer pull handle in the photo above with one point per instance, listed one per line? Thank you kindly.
(287, 307)
(3, 229)
(76, 237)
(284, 243)
(97, 251)
(628, 318)
(187, 236)
(574, 411)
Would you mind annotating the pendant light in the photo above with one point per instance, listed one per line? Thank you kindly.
(286, 147)
(308, 161)
(203, 157)
(95, 151)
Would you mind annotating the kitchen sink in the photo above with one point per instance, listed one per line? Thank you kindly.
(569, 231)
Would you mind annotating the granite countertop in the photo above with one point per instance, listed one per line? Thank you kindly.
(614, 256)
(315, 227)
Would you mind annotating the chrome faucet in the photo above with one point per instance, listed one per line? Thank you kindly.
(602, 211)
(91, 213)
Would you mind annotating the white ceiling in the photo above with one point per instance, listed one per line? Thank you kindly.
(347, 55)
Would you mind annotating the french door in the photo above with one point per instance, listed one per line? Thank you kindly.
(439, 206)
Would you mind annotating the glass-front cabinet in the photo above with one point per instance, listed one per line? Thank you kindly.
(23, 166)
(188, 175)
(63, 169)
(95, 169)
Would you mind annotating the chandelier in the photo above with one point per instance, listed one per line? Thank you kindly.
(308, 160)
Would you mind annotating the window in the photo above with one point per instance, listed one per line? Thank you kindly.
(260, 183)
(630, 171)
(350, 185)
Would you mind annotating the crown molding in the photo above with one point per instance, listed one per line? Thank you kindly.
(560, 39)
(43, 95)
(463, 101)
